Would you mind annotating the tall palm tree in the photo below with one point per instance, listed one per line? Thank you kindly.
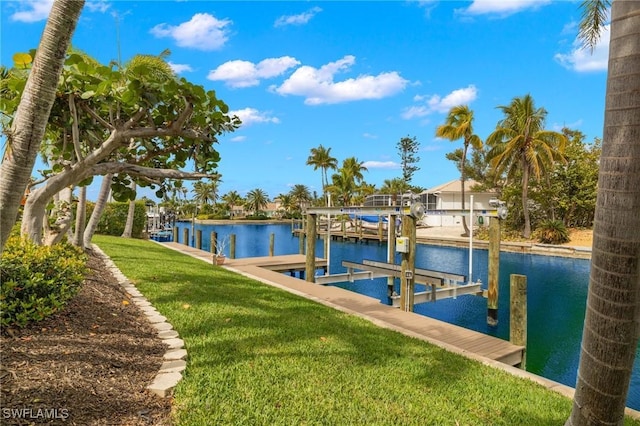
(521, 146)
(206, 192)
(256, 200)
(321, 158)
(459, 125)
(611, 328)
(33, 112)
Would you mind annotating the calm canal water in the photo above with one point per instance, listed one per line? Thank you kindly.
(557, 292)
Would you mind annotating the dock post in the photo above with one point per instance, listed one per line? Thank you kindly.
(232, 246)
(175, 234)
(391, 251)
(494, 274)
(272, 238)
(408, 265)
(301, 242)
(214, 242)
(380, 230)
(185, 236)
(518, 312)
(198, 239)
(310, 263)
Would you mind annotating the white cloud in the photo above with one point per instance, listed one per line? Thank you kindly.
(98, 6)
(436, 103)
(238, 139)
(317, 85)
(246, 74)
(583, 60)
(202, 32)
(575, 125)
(180, 68)
(381, 165)
(369, 135)
(300, 19)
(32, 11)
(251, 116)
(501, 8)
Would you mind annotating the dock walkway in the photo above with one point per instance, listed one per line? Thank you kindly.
(448, 336)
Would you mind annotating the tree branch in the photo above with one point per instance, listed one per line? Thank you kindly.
(147, 172)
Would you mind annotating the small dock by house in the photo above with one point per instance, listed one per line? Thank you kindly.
(278, 271)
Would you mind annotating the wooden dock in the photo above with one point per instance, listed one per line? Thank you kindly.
(457, 339)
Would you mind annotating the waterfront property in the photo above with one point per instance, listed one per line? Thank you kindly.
(557, 292)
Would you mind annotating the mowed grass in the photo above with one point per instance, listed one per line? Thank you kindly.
(261, 356)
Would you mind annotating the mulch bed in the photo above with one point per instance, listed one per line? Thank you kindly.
(88, 365)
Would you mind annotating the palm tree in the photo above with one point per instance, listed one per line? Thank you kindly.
(33, 112)
(354, 168)
(394, 187)
(321, 158)
(206, 192)
(232, 199)
(610, 336)
(520, 145)
(256, 200)
(300, 196)
(459, 125)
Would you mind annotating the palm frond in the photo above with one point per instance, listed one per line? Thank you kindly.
(594, 17)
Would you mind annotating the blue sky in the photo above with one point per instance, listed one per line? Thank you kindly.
(353, 76)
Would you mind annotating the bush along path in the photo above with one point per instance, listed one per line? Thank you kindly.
(89, 364)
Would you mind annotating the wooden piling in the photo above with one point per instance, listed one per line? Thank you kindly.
(199, 239)
(214, 242)
(494, 271)
(272, 238)
(232, 246)
(391, 251)
(301, 242)
(310, 263)
(175, 234)
(518, 312)
(185, 236)
(408, 265)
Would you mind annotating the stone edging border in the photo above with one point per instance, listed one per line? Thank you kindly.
(170, 372)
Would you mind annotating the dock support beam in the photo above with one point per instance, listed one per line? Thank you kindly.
(185, 236)
(232, 246)
(213, 237)
(272, 238)
(518, 310)
(310, 264)
(407, 285)
(494, 271)
(198, 239)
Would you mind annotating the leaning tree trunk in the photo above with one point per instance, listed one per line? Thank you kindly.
(101, 202)
(63, 215)
(32, 115)
(128, 226)
(610, 336)
(81, 218)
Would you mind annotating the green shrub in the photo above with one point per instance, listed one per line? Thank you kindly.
(36, 281)
(114, 217)
(552, 232)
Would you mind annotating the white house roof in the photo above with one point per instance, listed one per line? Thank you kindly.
(454, 187)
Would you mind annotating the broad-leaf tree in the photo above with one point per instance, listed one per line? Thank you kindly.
(146, 129)
(459, 125)
(32, 113)
(321, 158)
(611, 327)
(520, 145)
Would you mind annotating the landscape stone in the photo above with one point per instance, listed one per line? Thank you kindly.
(164, 383)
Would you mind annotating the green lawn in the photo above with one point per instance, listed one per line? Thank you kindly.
(261, 356)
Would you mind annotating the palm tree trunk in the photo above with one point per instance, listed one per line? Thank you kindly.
(462, 179)
(128, 226)
(105, 189)
(525, 200)
(611, 327)
(33, 112)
